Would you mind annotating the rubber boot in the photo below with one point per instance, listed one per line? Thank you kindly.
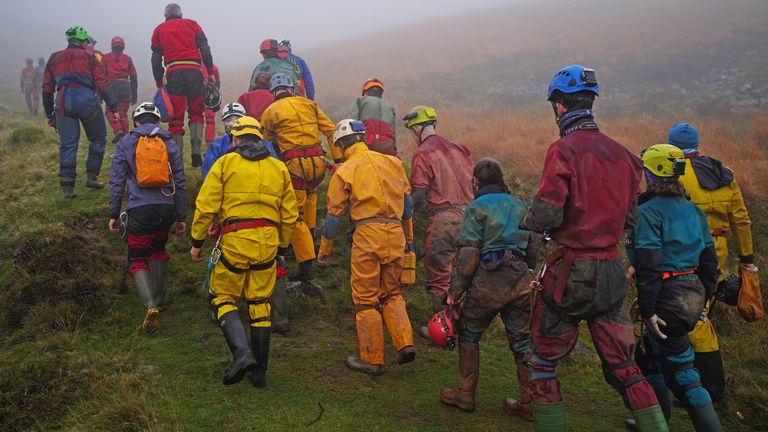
(159, 271)
(665, 404)
(92, 181)
(469, 373)
(179, 140)
(303, 273)
(549, 417)
(242, 358)
(704, 419)
(68, 187)
(650, 419)
(279, 303)
(145, 287)
(406, 355)
(196, 140)
(260, 348)
(520, 407)
(358, 365)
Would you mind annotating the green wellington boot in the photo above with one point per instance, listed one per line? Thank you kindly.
(549, 417)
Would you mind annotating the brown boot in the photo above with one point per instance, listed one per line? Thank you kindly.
(520, 407)
(469, 373)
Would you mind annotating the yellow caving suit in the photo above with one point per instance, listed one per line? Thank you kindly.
(726, 212)
(237, 188)
(376, 188)
(294, 124)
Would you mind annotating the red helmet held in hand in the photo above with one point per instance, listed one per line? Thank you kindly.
(441, 330)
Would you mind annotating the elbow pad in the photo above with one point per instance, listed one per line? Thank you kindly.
(332, 224)
(408, 207)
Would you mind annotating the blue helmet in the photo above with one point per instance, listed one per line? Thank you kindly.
(572, 79)
(280, 80)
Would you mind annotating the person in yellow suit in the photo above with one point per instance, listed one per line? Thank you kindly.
(294, 124)
(253, 197)
(376, 189)
(713, 188)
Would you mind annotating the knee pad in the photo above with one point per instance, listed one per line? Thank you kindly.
(259, 312)
(540, 368)
(469, 337)
(622, 375)
(685, 380)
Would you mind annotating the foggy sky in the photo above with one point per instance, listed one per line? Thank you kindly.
(234, 28)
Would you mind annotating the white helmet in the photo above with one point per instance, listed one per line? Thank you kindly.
(232, 108)
(348, 127)
(147, 108)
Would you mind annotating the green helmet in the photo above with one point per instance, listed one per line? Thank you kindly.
(76, 32)
(664, 160)
(420, 114)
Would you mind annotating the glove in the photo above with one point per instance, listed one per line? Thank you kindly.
(52, 122)
(159, 84)
(653, 326)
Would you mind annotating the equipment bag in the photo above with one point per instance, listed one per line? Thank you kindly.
(408, 276)
(750, 304)
(163, 103)
(152, 167)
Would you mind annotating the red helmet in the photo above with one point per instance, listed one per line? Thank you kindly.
(441, 330)
(117, 41)
(268, 45)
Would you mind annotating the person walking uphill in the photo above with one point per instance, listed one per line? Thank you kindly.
(181, 45)
(294, 124)
(584, 201)
(72, 82)
(441, 178)
(28, 89)
(252, 195)
(378, 117)
(275, 63)
(156, 199)
(123, 83)
(306, 83)
(675, 265)
(375, 188)
(714, 190)
(490, 278)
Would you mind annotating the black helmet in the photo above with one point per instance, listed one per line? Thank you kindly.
(727, 290)
(212, 97)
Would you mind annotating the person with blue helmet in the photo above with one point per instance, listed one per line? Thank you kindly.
(675, 270)
(585, 201)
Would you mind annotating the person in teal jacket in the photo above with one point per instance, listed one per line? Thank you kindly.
(675, 270)
(491, 277)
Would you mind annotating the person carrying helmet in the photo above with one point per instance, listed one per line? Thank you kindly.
(257, 100)
(273, 64)
(490, 278)
(713, 188)
(306, 83)
(376, 190)
(252, 196)
(675, 270)
(378, 117)
(27, 84)
(72, 82)
(441, 178)
(586, 198)
(180, 44)
(151, 211)
(294, 124)
(123, 83)
(213, 79)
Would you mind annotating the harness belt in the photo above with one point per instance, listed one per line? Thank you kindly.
(568, 255)
(241, 224)
(183, 63)
(668, 275)
(312, 151)
(256, 267)
(367, 221)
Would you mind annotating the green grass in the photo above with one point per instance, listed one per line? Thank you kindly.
(90, 368)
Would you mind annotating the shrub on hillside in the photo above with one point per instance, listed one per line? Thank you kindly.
(25, 135)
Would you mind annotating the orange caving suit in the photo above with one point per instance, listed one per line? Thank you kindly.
(378, 193)
(238, 188)
(294, 124)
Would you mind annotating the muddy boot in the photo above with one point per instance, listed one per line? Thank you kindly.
(704, 419)
(279, 303)
(648, 419)
(520, 407)
(303, 273)
(145, 287)
(118, 136)
(358, 365)
(549, 417)
(179, 140)
(406, 355)
(242, 358)
(469, 373)
(92, 181)
(159, 271)
(196, 139)
(68, 187)
(260, 348)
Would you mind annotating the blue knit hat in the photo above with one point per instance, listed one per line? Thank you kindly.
(684, 136)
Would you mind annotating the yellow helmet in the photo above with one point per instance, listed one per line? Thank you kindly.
(664, 160)
(420, 114)
(247, 126)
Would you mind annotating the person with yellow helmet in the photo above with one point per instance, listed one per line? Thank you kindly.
(675, 270)
(253, 197)
(376, 190)
(441, 177)
(294, 124)
(713, 188)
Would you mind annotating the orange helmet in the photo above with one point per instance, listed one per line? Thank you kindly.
(117, 41)
(373, 82)
(268, 45)
(441, 330)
